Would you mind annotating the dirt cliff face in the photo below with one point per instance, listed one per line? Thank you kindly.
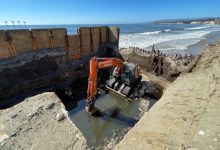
(187, 115)
(31, 72)
(39, 122)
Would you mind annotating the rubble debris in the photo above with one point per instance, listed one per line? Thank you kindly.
(50, 106)
(168, 66)
(13, 134)
(174, 73)
(60, 117)
(143, 89)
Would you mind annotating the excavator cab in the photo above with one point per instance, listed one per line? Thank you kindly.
(130, 73)
(122, 85)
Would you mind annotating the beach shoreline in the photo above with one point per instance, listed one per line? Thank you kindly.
(211, 38)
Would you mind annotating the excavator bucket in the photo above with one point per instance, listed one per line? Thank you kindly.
(92, 111)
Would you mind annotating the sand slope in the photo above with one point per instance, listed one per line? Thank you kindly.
(188, 114)
(33, 124)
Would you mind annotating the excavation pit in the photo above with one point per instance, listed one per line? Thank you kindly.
(116, 117)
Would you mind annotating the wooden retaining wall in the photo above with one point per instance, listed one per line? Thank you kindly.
(86, 42)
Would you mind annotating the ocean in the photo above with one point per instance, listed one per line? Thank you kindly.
(168, 38)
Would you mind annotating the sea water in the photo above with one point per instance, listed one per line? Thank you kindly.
(168, 38)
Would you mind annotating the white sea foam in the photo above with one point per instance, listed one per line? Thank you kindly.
(167, 30)
(155, 32)
(150, 33)
(197, 28)
(178, 41)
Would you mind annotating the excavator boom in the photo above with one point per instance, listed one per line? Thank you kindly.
(95, 64)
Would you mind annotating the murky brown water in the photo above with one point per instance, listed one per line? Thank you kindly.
(117, 117)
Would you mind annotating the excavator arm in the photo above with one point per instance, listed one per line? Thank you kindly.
(95, 64)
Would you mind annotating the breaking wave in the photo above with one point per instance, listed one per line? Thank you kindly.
(150, 33)
(155, 32)
(197, 28)
(172, 40)
(167, 30)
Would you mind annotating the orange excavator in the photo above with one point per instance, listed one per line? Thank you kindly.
(123, 79)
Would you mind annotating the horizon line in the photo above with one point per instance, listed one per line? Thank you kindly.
(153, 21)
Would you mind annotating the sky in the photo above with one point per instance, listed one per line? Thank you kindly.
(104, 11)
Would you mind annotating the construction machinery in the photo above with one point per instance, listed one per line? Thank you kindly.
(122, 81)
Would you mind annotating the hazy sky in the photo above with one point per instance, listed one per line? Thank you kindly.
(104, 11)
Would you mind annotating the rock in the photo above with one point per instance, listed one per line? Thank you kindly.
(60, 117)
(3, 137)
(141, 92)
(32, 115)
(201, 132)
(3, 143)
(131, 96)
(13, 116)
(26, 130)
(139, 86)
(114, 134)
(144, 87)
(184, 118)
(148, 87)
(13, 134)
(174, 73)
(135, 94)
(50, 106)
(29, 115)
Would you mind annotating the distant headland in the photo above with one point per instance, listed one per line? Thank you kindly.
(190, 21)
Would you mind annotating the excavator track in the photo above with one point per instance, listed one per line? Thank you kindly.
(125, 92)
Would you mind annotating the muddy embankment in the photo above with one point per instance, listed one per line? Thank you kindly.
(187, 115)
(34, 72)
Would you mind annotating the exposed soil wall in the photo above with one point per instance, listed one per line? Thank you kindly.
(32, 60)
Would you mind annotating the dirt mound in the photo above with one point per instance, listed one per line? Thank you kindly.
(187, 115)
(39, 122)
